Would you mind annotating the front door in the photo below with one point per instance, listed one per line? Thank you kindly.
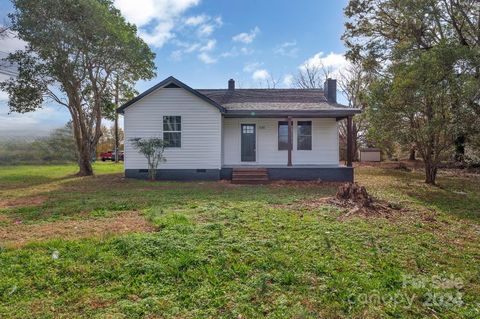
(248, 142)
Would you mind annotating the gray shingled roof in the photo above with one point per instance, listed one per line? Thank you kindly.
(260, 102)
(265, 95)
(271, 99)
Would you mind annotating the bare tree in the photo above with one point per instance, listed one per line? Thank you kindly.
(272, 82)
(269, 82)
(312, 76)
(353, 83)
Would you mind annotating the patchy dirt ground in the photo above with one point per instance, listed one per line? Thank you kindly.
(23, 201)
(18, 235)
(4, 219)
(354, 201)
(380, 209)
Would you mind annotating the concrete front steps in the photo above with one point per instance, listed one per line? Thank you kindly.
(250, 176)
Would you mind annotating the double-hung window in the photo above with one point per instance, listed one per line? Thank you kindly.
(304, 135)
(282, 135)
(172, 131)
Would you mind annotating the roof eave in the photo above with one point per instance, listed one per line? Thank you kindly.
(294, 113)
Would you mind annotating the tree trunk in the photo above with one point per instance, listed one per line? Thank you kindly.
(412, 154)
(430, 173)
(85, 163)
(116, 120)
(460, 148)
(355, 142)
(116, 138)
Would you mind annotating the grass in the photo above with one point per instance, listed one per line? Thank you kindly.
(225, 251)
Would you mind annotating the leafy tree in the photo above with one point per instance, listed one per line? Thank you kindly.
(389, 36)
(76, 51)
(414, 103)
(152, 148)
(107, 141)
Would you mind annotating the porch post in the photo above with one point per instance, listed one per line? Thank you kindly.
(290, 140)
(349, 141)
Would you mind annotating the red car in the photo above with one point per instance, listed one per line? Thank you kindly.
(106, 156)
(110, 156)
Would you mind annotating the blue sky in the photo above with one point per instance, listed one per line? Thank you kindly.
(206, 42)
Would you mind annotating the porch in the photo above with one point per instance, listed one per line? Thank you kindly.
(285, 148)
(253, 174)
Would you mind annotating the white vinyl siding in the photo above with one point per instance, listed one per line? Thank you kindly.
(200, 129)
(325, 150)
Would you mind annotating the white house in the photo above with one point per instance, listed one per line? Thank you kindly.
(239, 134)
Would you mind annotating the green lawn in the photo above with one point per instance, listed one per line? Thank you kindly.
(224, 251)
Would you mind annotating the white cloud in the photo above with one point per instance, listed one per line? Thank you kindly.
(209, 46)
(205, 30)
(142, 12)
(11, 43)
(260, 75)
(287, 49)
(251, 66)
(192, 47)
(288, 80)
(205, 24)
(333, 62)
(161, 34)
(228, 54)
(197, 31)
(176, 55)
(161, 14)
(218, 20)
(246, 51)
(235, 51)
(247, 37)
(196, 20)
(206, 58)
(187, 48)
(3, 95)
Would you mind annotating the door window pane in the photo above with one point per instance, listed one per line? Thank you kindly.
(248, 129)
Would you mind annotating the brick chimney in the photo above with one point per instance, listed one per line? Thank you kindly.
(231, 85)
(330, 90)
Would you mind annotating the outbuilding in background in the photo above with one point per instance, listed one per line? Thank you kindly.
(369, 154)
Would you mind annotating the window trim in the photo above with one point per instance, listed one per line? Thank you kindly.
(303, 135)
(164, 131)
(278, 135)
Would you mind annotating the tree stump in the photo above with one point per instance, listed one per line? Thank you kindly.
(354, 193)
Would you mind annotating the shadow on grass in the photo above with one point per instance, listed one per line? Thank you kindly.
(457, 196)
(100, 195)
